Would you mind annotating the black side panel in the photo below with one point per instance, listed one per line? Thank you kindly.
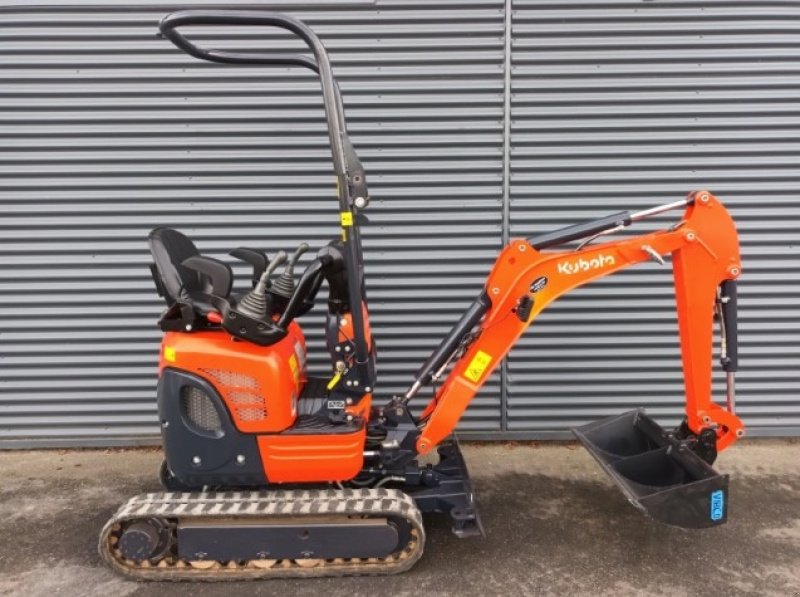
(195, 456)
(226, 540)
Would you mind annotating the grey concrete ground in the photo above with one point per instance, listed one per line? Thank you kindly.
(555, 525)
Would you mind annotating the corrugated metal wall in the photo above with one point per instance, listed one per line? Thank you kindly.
(107, 131)
(623, 105)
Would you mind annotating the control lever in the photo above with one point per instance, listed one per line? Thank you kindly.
(283, 287)
(254, 303)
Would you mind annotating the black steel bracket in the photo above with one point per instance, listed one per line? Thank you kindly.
(452, 492)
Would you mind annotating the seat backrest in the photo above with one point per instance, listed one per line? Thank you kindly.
(170, 249)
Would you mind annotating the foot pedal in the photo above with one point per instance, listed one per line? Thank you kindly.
(660, 476)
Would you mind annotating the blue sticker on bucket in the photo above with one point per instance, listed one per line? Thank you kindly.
(717, 505)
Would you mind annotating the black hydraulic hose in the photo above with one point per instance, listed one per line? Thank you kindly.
(448, 345)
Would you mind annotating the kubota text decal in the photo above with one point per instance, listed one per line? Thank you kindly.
(575, 266)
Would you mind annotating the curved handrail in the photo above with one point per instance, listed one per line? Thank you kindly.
(334, 110)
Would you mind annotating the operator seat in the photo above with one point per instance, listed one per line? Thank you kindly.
(178, 283)
(169, 249)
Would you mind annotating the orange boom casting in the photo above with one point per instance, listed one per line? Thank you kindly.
(271, 472)
(524, 280)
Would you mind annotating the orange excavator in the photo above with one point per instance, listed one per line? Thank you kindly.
(272, 472)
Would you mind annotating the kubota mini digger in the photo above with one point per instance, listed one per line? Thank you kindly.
(270, 472)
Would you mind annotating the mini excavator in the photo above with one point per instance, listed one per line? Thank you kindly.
(270, 472)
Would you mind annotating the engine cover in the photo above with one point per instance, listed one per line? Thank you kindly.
(259, 385)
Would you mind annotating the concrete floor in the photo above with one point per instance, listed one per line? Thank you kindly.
(555, 525)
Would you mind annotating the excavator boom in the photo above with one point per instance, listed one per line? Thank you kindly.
(527, 277)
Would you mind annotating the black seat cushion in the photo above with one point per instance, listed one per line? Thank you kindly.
(169, 249)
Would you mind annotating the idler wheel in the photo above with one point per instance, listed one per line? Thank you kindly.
(144, 540)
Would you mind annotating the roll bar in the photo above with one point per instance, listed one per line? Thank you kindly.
(169, 24)
(349, 171)
(320, 64)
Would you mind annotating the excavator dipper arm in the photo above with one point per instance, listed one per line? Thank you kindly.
(705, 254)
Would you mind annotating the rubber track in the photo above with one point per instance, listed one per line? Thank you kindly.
(265, 505)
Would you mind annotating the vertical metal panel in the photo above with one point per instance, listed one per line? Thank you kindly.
(626, 105)
(108, 131)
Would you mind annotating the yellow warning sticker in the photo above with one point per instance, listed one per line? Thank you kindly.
(477, 366)
(295, 369)
(170, 354)
(347, 218)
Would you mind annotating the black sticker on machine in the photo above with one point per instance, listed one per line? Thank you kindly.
(538, 284)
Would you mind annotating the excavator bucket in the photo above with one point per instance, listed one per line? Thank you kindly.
(656, 472)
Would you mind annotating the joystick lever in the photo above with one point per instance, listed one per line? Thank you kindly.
(254, 303)
(283, 286)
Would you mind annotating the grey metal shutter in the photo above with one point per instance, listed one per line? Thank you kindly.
(629, 104)
(108, 131)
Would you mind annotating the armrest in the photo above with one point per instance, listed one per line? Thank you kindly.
(218, 272)
(258, 259)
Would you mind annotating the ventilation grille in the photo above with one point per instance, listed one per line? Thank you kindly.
(242, 393)
(242, 398)
(199, 409)
(231, 378)
(252, 414)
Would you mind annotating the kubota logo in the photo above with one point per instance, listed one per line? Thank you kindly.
(584, 265)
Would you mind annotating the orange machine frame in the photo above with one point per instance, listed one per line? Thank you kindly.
(705, 252)
(261, 381)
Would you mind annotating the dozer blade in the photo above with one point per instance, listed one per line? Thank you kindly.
(660, 476)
